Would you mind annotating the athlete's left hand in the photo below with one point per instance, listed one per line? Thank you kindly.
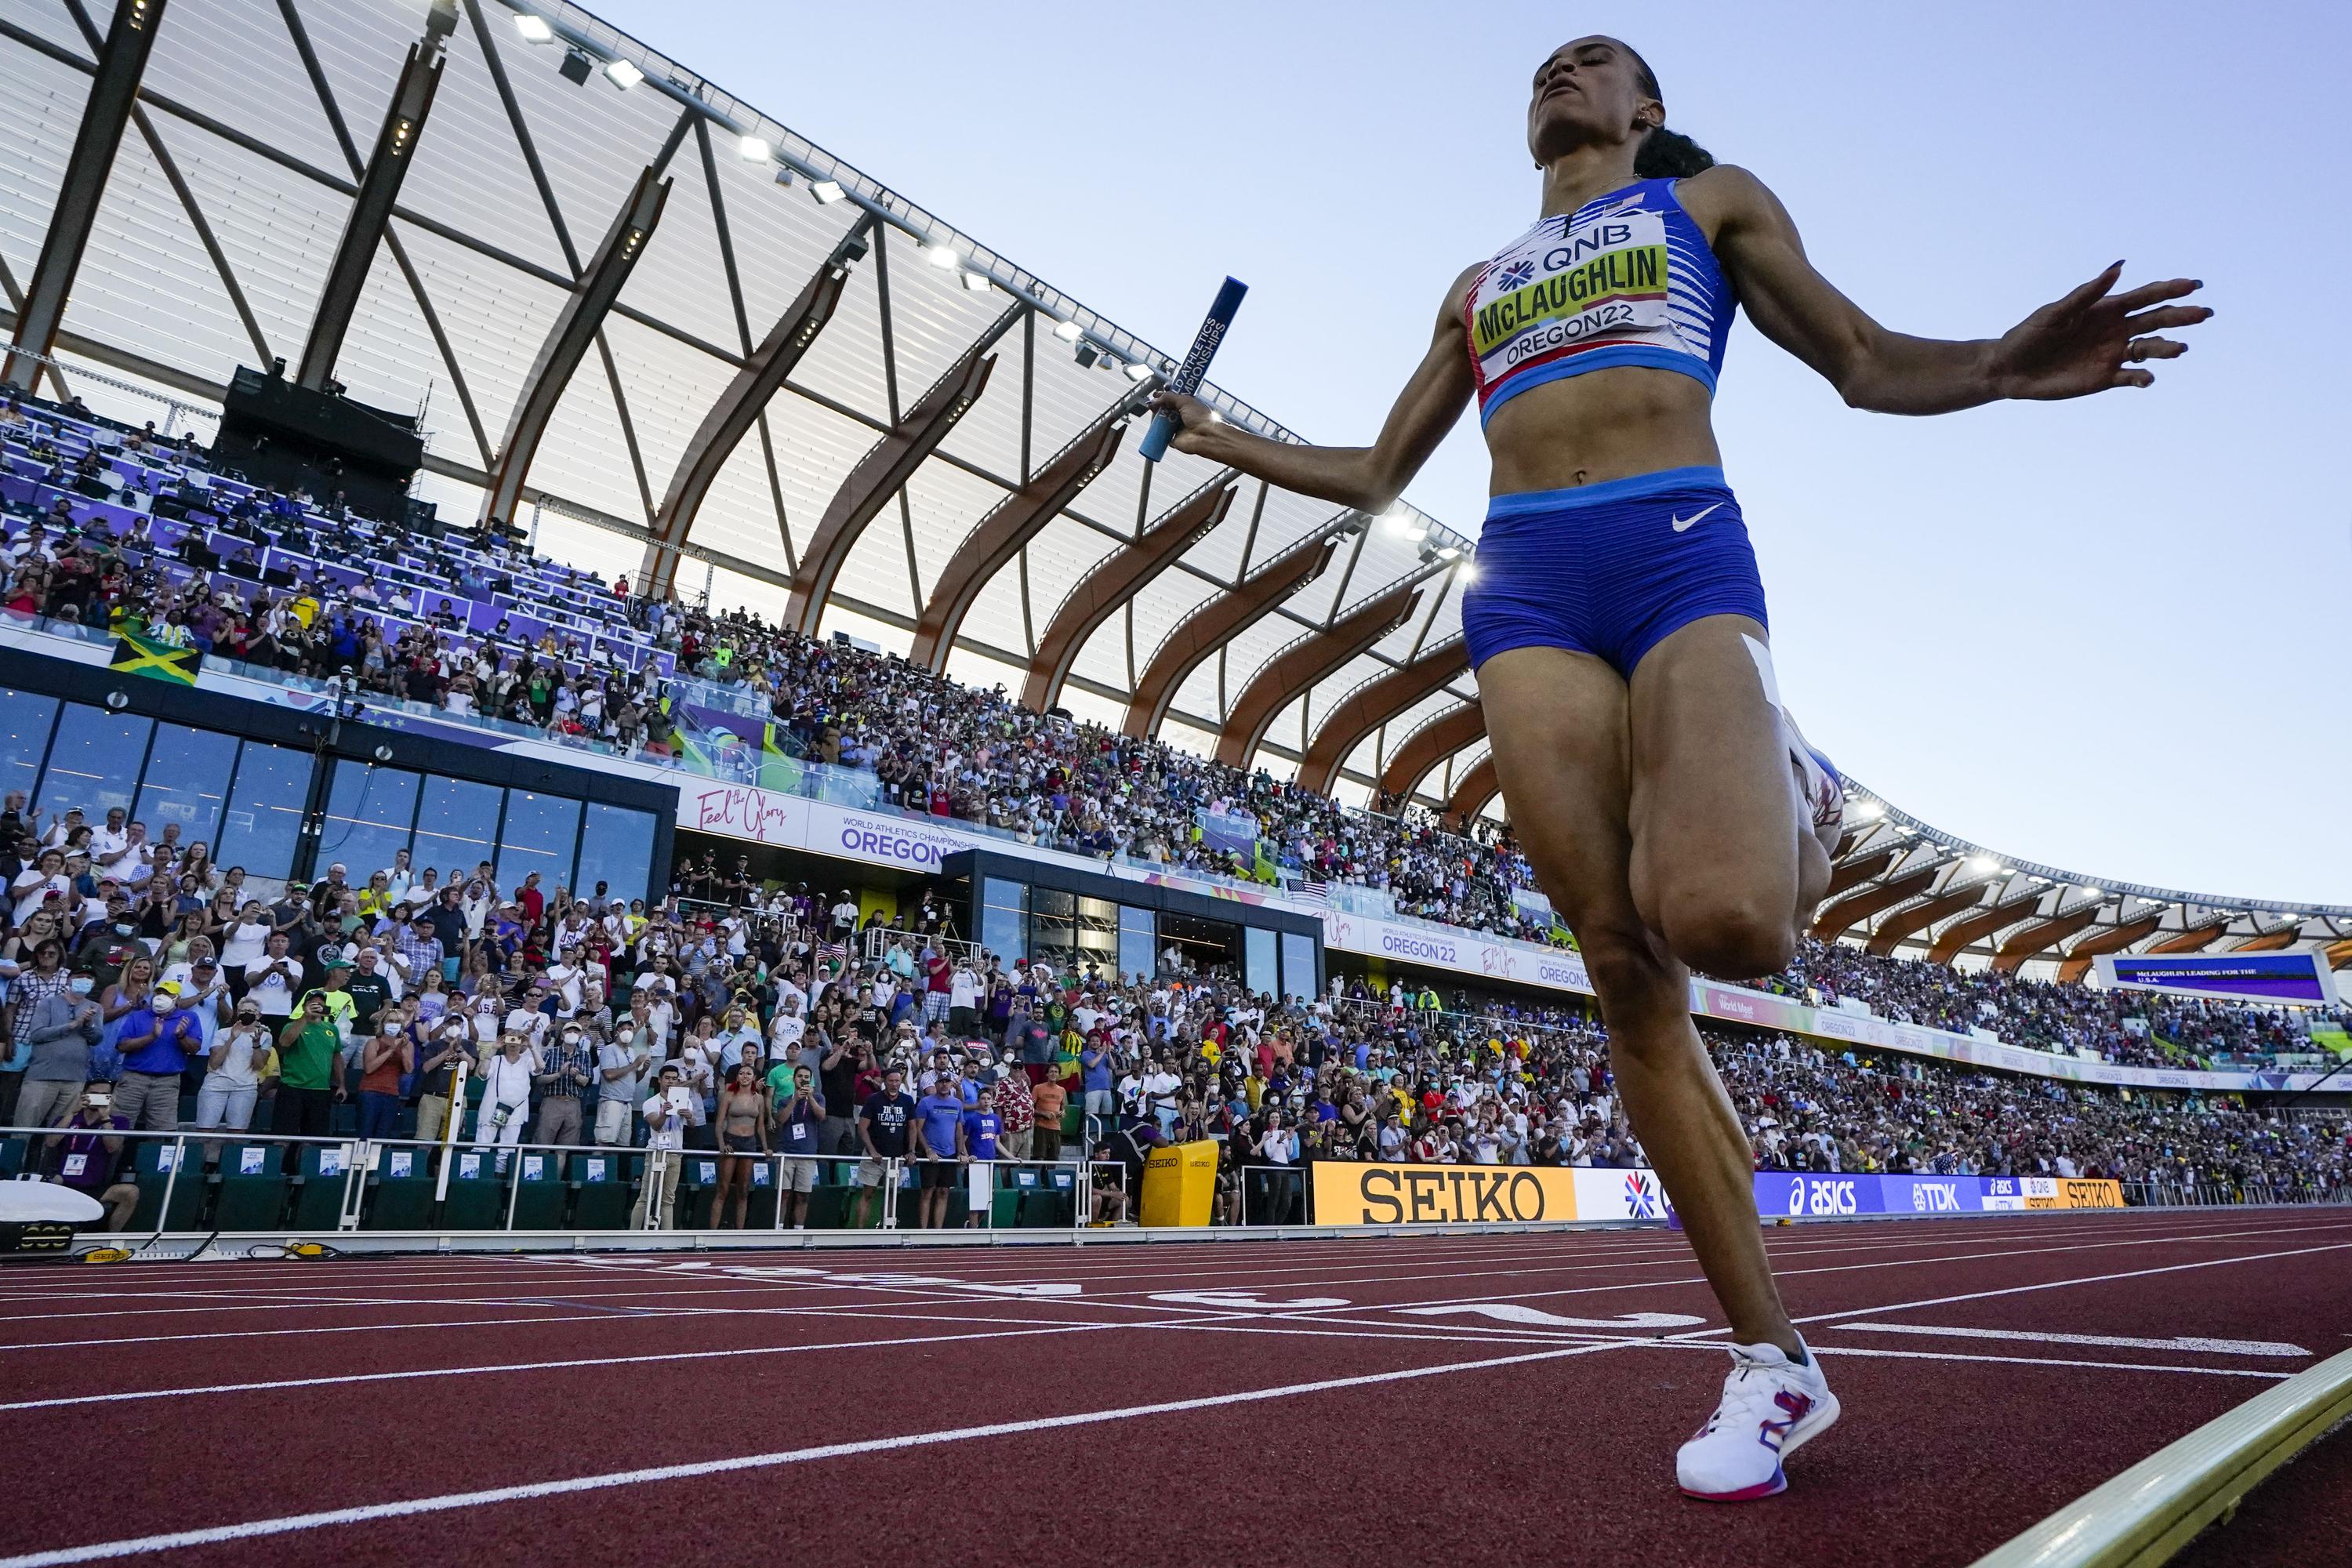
(2091, 340)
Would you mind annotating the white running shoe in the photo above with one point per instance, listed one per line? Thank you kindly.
(1770, 1404)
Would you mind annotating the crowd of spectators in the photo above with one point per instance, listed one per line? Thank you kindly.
(2134, 1028)
(137, 963)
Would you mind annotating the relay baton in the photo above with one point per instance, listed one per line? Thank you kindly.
(1187, 379)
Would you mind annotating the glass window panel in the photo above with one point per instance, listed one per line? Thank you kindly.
(187, 779)
(94, 764)
(619, 850)
(1138, 954)
(371, 812)
(1298, 977)
(1260, 965)
(455, 827)
(1004, 917)
(264, 820)
(543, 834)
(1098, 932)
(1051, 929)
(24, 723)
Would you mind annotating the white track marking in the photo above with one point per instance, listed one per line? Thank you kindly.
(255, 1529)
(2086, 1279)
(2184, 1343)
(730, 1352)
(1240, 1300)
(1509, 1312)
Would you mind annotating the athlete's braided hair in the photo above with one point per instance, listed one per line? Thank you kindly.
(1664, 153)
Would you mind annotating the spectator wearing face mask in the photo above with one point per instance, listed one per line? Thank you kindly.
(233, 1071)
(156, 1041)
(506, 1094)
(453, 1044)
(385, 1058)
(566, 1065)
(61, 1028)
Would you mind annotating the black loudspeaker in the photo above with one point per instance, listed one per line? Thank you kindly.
(290, 437)
(424, 517)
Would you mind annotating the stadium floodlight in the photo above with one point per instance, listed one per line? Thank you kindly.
(534, 29)
(1869, 811)
(1138, 371)
(1449, 552)
(1068, 331)
(826, 191)
(942, 257)
(976, 283)
(754, 149)
(1982, 863)
(2093, 893)
(576, 66)
(1467, 571)
(625, 73)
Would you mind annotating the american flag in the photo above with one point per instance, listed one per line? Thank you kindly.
(1307, 892)
(831, 949)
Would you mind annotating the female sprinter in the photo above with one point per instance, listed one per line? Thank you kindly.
(1617, 624)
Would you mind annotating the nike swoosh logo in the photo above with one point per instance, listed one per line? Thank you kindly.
(1683, 522)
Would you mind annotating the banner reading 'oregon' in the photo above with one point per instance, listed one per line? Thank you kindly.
(1346, 1193)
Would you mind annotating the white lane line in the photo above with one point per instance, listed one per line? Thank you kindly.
(133, 1396)
(2181, 1342)
(250, 1530)
(1510, 1312)
(2054, 1284)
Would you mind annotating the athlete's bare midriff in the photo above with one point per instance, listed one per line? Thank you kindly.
(1604, 425)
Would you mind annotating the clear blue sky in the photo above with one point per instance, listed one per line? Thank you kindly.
(2111, 635)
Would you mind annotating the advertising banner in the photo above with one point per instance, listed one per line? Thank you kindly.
(1349, 1194)
(1798, 1195)
(1603, 1193)
(1346, 1193)
(2301, 978)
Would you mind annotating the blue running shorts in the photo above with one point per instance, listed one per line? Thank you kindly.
(1610, 569)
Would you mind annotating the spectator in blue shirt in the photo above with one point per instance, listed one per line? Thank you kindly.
(156, 1041)
(980, 1126)
(939, 1145)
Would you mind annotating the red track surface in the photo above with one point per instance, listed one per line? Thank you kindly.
(950, 1417)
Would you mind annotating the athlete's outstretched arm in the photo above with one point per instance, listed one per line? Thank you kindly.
(2088, 341)
(1365, 477)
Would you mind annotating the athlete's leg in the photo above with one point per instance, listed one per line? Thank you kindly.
(1715, 811)
(1558, 725)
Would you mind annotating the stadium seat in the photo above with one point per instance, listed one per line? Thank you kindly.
(539, 1193)
(696, 1183)
(403, 1193)
(607, 1180)
(319, 1191)
(152, 1169)
(254, 1188)
(477, 1190)
(760, 1214)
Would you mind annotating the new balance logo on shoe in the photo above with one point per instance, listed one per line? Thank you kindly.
(1773, 1433)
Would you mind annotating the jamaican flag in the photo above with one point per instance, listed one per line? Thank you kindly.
(136, 653)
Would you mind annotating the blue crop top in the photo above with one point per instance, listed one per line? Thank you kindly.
(1626, 279)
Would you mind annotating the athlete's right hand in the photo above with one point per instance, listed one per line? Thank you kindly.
(1194, 417)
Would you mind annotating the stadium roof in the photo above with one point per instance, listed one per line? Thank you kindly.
(674, 332)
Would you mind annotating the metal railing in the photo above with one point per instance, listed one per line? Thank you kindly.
(488, 1185)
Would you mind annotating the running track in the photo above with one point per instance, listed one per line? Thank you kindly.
(1304, 1401)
